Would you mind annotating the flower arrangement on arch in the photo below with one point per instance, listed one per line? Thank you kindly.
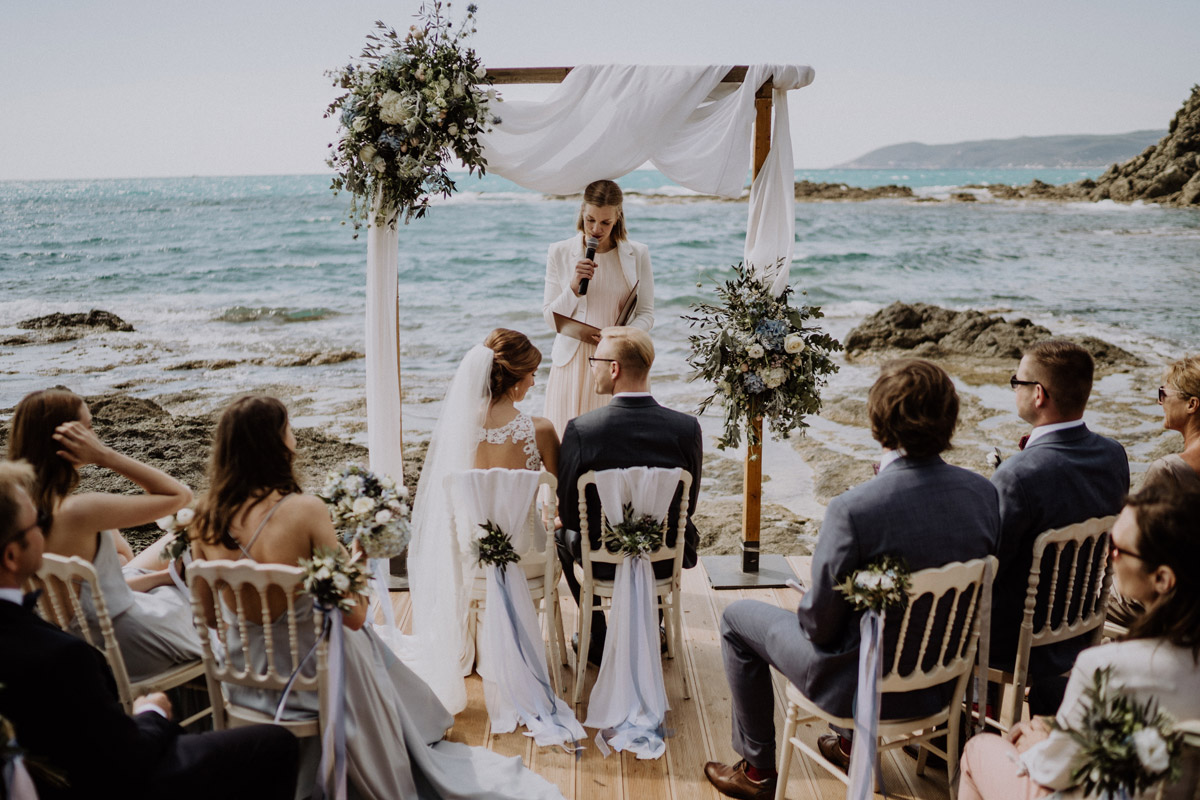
(370, 508)
(633, 535)
(332, 577)
(409, 104)
(879, 586)
(765, 356)
(1125, 747)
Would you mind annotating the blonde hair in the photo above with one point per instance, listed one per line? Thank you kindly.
(14, 475)
(1184, 375)
(600, 194)
(632, 348)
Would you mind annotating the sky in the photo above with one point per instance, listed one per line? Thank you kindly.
(133, 88)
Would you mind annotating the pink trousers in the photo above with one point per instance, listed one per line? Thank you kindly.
(989, 770)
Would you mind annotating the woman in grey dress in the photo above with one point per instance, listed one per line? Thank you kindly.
(1179, 397)
(395, 725)
(52, 430)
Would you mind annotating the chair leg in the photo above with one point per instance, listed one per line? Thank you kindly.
(585, 639)
(952, 753)
(551, 643)
(785, 751)
(558, 623)
(675, 641)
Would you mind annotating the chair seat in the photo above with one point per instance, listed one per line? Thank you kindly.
(168, 679)
(240, 717)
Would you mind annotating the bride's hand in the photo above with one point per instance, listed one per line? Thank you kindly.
(584, 268)
(80, 445)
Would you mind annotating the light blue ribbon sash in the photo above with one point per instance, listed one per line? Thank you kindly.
(866, 708)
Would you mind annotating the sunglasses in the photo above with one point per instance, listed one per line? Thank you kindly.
(1014, 382)
(1163, 393)
(593, 360)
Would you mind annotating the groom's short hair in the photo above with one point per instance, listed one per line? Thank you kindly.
(913, 405)
(14, 476)
(632, 348)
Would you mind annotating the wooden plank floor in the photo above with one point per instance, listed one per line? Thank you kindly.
(701, 724)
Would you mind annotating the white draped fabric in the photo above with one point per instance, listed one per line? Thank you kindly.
(517, 688)
(384, 431)
(606, 120)
(629, 701)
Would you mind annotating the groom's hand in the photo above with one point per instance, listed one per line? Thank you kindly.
(156, 701)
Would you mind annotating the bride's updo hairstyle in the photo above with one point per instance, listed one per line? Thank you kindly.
(605, 193)
(31, 438)
(250, 459)
(513, 357)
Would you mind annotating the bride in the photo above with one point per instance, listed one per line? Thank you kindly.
(479, 428)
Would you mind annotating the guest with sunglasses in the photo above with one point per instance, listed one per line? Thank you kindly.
(1064, 474)
(1155, 548)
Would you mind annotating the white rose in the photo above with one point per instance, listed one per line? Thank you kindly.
(452, 129)
(341, 582)
(383, 517)
(867, 580)
(444, 83)
(362, 505)
(386, 482)
(166, 523)
(367, 154)
(379, 164)
(886, 583)
(391, 107)
(793, 343)
(491, 95)
(359, 125)
(459, 91)
(1152, 750)
(323, 574)
(185, 516)
(481, 72)
(755, 351)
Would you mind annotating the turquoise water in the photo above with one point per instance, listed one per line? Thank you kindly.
(259, 273)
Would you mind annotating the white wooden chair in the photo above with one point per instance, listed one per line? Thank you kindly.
(542, 571)
(955, 644)
(247, 587)
(1081, 598)
(61, 580)
(667, 589)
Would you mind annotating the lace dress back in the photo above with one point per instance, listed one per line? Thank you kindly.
(518, 434)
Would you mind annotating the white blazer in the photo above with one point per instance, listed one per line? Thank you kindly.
(560, 270)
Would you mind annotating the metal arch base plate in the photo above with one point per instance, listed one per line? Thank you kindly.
(725, 572)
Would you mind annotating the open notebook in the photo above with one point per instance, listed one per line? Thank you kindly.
(588, 333)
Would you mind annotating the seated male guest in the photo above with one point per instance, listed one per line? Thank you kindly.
(60, 696)
(1064, 474)
(631, 431)
(917, 508)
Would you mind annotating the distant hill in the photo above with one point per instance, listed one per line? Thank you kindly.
(1026, 151)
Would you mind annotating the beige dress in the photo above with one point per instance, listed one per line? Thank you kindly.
(1173, 470)
(570, 391)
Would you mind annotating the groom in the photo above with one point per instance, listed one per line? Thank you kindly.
(631, 431)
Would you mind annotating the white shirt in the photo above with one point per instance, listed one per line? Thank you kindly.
(12, 595)
(1042, 430)
(631, 394)
(889, 457)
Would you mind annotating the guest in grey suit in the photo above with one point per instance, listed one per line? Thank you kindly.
(1064, 474)
(631, 431)
(918, 508)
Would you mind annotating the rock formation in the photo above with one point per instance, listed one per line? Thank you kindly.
(92, 319)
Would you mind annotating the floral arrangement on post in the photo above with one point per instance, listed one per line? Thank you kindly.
(332, 577)
(765, 357)
(880, 585)
(1125, 747)
(633, 535)
(369, 508)
(494, 547)
(408, 105)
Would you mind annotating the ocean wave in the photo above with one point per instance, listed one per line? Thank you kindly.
(238, 314)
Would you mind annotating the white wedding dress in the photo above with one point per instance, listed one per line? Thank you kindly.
(440, 649)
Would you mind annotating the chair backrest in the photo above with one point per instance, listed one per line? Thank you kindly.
(545, 501)
(1078, 566)
(602, 555)
(244, 587)
(62, 580)
(939, 630)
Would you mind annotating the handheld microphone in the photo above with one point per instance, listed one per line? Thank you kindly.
(592, 243)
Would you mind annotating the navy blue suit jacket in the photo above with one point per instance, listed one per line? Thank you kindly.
(629, 432)
(1063, 477)
(920, 509)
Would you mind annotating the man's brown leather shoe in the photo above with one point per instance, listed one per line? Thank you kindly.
(732, 781)
(830, 746)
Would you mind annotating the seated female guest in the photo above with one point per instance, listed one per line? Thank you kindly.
(52, 430)
(1179, 397)
(1155, 545)
(256, 510)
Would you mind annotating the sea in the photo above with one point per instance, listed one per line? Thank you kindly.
(257, 283)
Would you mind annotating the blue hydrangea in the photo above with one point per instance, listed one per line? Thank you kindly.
(349, 112)
(753, 383)
(394, 60)
(391, 141)
(771, 332)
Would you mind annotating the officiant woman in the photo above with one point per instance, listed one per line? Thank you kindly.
(592, 290)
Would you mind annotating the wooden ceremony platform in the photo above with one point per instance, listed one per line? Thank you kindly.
(701, 724)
